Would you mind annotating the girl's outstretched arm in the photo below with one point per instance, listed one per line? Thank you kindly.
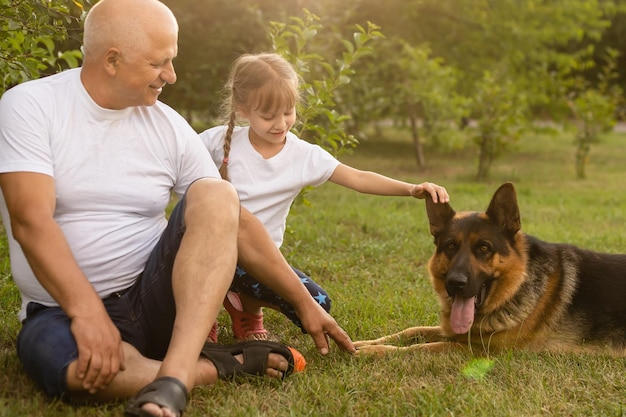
(369, 182)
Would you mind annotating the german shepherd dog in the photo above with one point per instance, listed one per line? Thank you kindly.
(500, 288)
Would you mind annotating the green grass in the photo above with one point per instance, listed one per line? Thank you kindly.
(370, 253)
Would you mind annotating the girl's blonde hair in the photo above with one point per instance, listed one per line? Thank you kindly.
(265, 82)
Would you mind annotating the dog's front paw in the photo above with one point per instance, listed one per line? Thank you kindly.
(361, 343)
(377, 350)
(379, 341)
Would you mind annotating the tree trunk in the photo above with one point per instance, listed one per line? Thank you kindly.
(485, 158)
(417, 144)
(582, 156)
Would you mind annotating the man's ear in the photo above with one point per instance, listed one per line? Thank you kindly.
(112, 58)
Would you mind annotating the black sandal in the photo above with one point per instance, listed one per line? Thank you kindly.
(166, 392)
(254, 358)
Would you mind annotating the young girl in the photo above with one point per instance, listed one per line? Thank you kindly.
(269, 165)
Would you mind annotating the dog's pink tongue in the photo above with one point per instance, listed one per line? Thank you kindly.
(462, 314)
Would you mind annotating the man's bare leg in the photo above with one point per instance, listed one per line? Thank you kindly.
(203, 271)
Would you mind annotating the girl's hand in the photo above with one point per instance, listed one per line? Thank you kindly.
(436, 192)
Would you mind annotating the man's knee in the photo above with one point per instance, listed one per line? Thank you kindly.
(211, 203)
(212, 190)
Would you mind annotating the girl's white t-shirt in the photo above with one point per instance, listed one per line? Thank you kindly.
(267, 187)
(114, 171)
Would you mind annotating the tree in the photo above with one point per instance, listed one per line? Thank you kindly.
(323, 72)
(29, 33)
(403, 83)
(514, 54)
(428, 92)
(595, 109)
(501, 111)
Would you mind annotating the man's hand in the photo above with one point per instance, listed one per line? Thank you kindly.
(100, 353)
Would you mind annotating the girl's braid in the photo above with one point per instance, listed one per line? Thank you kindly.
(227, 139)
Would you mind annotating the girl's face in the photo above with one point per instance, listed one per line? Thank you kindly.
(270, 128)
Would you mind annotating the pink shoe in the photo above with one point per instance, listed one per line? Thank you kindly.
(213, 333)
(245, 326)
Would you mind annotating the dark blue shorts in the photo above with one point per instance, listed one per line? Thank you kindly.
(144, 313)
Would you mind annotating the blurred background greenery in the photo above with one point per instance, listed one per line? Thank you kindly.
(499, 68)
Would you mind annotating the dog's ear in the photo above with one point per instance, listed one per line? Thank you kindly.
(504, 211)
(439, 215)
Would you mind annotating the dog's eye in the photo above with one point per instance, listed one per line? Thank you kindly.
(484, 247)
(448, 246)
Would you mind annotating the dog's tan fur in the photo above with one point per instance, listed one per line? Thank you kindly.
(529, 294)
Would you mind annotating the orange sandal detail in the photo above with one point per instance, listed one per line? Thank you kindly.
(246, 326)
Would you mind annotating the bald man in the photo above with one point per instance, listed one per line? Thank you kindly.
(117, 301)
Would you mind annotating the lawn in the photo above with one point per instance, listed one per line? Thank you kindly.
(370, 253)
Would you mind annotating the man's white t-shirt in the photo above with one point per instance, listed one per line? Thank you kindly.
(114, 171)
(267, 187)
